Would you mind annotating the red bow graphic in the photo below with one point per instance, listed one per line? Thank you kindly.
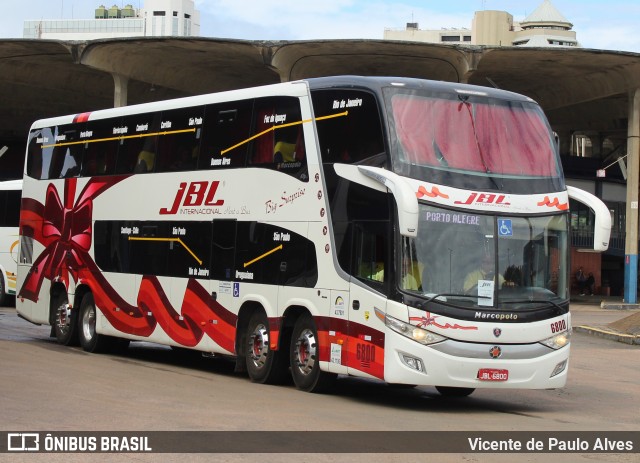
(65, 230)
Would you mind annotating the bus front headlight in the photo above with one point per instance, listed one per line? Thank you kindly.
(557, 341)
(412, 332)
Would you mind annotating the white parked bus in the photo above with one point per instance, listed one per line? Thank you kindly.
(10, 192)
(412, 231)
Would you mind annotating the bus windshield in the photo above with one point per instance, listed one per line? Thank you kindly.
(487, 260)
(471, 135)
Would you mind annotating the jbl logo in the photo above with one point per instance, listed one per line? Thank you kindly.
(194, 194)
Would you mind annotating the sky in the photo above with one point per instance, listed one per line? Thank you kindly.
(606, 25)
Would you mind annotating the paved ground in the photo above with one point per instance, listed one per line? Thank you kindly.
(606, 317)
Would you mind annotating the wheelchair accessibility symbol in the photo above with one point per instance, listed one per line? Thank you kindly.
(236, 290)
(505, 227)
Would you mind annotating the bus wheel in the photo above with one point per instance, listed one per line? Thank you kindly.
(264, 365)
(89, 339)
(65, 322)
(304, 357)
(3, 294)
(455, 391)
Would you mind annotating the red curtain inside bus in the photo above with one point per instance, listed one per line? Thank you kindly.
(488, 138)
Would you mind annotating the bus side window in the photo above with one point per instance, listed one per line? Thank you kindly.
(179, 139)
(39, 153)
(264, 144)
(112, 247)
(223, 249)
(370, 253)
(349, 135)
(225, 135)
(138, 143)
(66, 157)
(99, 159)
(72, 162)
(278, 131)
(361, 221)
(279, 137)
(11, 216)
(100, 149)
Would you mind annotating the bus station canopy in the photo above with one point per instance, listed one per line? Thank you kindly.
(580, 89)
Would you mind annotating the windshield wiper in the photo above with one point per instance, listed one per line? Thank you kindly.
(435, 296)
(531, 301)
(440, 155)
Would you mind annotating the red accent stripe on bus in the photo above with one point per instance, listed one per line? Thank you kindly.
(82, 117)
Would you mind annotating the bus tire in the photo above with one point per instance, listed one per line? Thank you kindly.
(264, 365)
(304, 358)
(65, 321)
(455, 391)
(3, 294)
(89, 339)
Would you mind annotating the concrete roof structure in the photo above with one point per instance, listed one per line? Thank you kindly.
(580, 89)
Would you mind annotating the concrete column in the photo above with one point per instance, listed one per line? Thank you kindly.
(565, 142)
(596, 144)
(633, 174)
(121, 85)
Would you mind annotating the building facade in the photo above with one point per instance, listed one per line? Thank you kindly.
(158, 18)
(545, 27)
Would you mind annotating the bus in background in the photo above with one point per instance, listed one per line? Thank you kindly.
(10, 192)
(412, 231)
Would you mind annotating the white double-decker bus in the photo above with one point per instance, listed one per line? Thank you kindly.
(412, 231)
(10, 192)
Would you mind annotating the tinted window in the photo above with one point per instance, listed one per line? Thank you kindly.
(39, 157)
(273, 255)
(179, 140)
(225, 135)
(101, 149)
(278, 141)
(257, 258)
(348, 122)
(138, 148)
(111, 244)
(55, 152)
(224, 247)
(224, 250)
(9, 208)
(189, 252)
(361, 231)
(149, 248)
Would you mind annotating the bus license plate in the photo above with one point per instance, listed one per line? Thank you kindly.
(492, 374)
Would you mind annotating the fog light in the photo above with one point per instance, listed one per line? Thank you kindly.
(559, 368)
(412, 362)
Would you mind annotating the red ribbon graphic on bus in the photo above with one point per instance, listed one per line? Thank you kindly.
(430, 320)
(66, 232)
(555, 203)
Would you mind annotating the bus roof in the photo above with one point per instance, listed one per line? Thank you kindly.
(409, 82)
(11, 185)
(294, 88)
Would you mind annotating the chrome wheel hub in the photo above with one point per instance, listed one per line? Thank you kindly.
(63, 318)
(306, 352)
(89, 323)
(259, 345)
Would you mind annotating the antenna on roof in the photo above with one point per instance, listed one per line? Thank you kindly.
(492, 82)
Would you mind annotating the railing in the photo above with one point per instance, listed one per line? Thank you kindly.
(584, 240)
